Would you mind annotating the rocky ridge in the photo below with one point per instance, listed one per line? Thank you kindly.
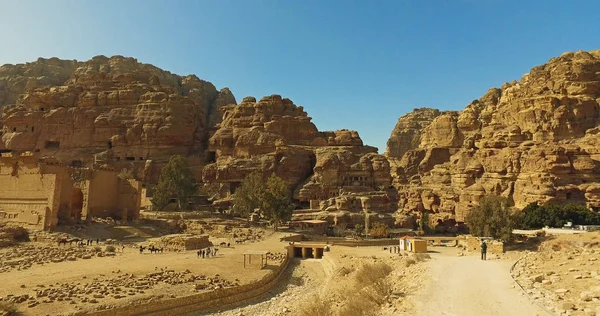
(535, 140)
(113, 111)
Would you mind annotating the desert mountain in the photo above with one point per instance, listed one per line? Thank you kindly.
(535, 140)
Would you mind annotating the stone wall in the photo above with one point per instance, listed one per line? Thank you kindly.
(41, 194)
(474, 244)
(205, 301)
(26, 197)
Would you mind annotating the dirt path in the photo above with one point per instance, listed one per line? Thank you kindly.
(468, 286)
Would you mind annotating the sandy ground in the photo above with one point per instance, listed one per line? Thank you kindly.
(463, 286)
(564, 274)
(447, 284)
(330, 279)
(78, 276)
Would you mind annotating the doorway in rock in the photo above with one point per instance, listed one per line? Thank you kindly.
(76, 203)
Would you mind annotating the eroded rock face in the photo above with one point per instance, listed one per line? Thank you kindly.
(274, 135)
(106, 110)
(407, 132)
(535, 140)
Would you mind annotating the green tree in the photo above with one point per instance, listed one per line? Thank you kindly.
(359, 229)
(176, 181)
(272, 197)
(553, 215)
(249, 194)
(491, 218)
(276, 202)
(424, 223)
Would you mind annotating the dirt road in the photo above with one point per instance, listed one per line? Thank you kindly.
(468, 286)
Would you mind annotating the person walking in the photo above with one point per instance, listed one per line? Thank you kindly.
(483, 250)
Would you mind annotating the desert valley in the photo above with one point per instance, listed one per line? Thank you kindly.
(95, 218)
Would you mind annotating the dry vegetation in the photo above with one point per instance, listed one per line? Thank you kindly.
(368, 287)
(564, 274)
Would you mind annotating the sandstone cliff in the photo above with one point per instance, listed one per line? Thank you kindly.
(274, 135)
(532, 140)
(106, 110)
(120, 113)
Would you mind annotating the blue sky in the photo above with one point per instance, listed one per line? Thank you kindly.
(351, 64)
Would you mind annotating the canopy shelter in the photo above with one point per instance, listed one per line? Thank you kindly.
(261, 253)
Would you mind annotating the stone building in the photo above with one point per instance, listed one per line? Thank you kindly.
(41, 194)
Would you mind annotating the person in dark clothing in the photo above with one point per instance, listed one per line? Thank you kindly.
(202, 253)
(483, 250)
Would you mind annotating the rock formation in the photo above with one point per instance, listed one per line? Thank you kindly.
(113, 111)
(535, 140)
(119, 113)
(274, 135)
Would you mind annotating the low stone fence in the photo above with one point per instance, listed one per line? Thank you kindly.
(474, 244)
(201, 301)
(341, 241)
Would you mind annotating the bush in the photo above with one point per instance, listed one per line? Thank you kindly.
(491, 218)
(535, 216)
(379, 230)
(410, 262)
(316, 306)
(17, 233)
(359, 229)
(371, 273)
(110, 248)
(98, 249)
(339, 230)
(8, 309)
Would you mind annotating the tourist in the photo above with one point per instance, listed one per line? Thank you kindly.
(202, 253)
(97, 241)
(215, 252)
(483, 250)
(198, 253)
(207, 252)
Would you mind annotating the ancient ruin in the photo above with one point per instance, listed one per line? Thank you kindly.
(41, 193)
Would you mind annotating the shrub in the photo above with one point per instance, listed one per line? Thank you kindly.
(316, 306)
(359, 229)
(371, 273)
(339, 230)
(98, 249)
(110, 248)
(491, 218)
(410, 262)
(17, 233)
(379, 230)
